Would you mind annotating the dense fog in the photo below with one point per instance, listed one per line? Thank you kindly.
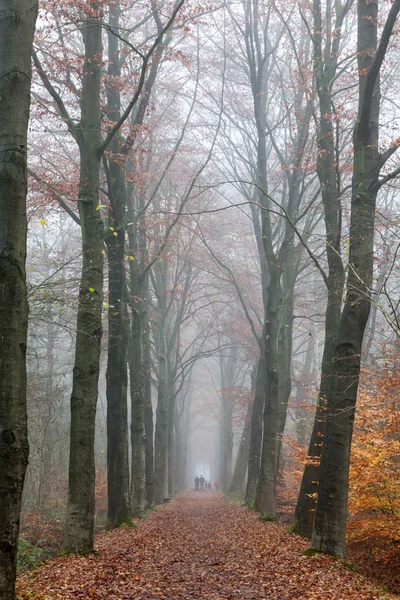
(212, 208)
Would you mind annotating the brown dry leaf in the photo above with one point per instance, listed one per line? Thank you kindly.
(198, 546)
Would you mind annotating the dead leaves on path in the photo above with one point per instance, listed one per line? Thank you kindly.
(197, 547)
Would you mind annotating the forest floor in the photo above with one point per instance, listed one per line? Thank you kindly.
(198, 546)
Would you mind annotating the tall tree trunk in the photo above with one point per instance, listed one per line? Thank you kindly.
(137, 245)
(148, 417)
(285, 352)
(161, 433)
(329, 534)
(226, 438)
(137, 399)
(265, 500)
(227, 362)
(327, 169)
(239, 472)
(116, 380)
(179, 450)
(116, 375)
(304, 379)
(138, 292)
(256, 431)
(186, 475)
(79, 524)
(308, 494)
(182, 422)
(17, 26)
(171, 446)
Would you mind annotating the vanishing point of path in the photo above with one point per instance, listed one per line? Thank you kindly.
(198, 546)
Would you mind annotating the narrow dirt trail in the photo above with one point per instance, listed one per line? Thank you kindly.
(197, 547)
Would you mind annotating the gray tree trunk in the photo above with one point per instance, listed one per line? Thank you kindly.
(325, 65)
(17, 26)
(265, 500)
(148, 418)
(161, 432)
(138, 290)
(239, 473)
(228, 364)
(79, 525)
(329, 533)
(305, 378)
(186, 476)
(116, 375)
(180, 464)
(285, 350)
(137, 404)
(256, 431)
(171, 446)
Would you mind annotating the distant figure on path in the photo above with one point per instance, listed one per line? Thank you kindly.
(201, 481)
(209, 486)
(196, 483)
(216, 485)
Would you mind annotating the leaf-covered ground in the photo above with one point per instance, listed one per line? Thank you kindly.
(198, 546)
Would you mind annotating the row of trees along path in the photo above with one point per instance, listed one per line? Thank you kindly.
(198, 546)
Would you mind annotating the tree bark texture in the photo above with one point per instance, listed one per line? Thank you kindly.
(161, 432)
(186, 447)
(180, 458)
(306, 378)
(308, 494)
(138, 291)
(17, 26)
(171, 444)
(148, 418)
(137, 411)
(265, 501)
(227, 361)
(79, 524)
(116, 375)
(285, 335)
(325, 66)
(329, 534)
(142, 477)
(239, 473)
(256, 431)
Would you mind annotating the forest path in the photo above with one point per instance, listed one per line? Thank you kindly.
(198, 546)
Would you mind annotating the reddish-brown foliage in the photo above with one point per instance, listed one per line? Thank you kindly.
(375, 468)
(374, 499)
(197, 547)
(374, 503)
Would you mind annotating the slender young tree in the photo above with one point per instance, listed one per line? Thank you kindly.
(17, 26)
